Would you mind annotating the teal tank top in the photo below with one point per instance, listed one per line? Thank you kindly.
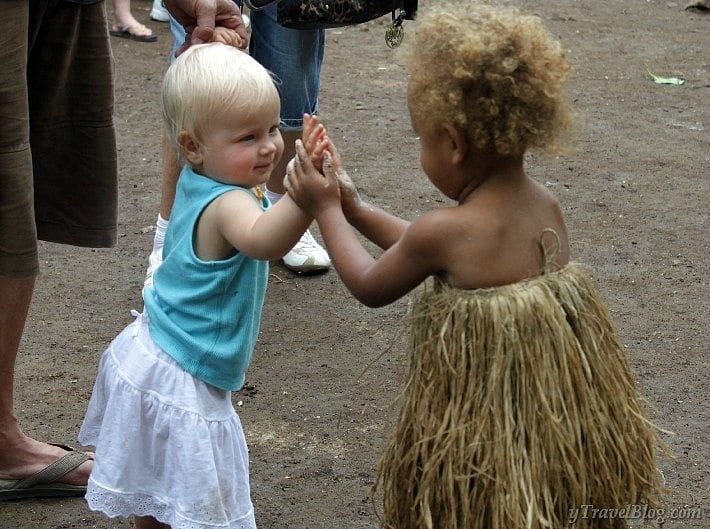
(205, 314)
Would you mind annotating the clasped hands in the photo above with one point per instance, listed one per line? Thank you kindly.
(315, 178)
(209, 21)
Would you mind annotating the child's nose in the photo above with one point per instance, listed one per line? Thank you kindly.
(268, 147)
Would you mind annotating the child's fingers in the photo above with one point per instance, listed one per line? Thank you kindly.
(314, 136)
(301, 156)
(320, 148)
(290, 177)
(309, 123)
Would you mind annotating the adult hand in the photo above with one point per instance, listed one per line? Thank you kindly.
(200, 17)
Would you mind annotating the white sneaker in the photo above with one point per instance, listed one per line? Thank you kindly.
(155, 259)
(159, 13)
(307, 256)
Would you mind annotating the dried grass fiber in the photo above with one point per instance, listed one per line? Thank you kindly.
(519, 406)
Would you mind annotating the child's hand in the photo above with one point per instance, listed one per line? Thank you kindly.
(311, 190)
(349, 197)
(229, 37)
(318, 146)
(315, 140)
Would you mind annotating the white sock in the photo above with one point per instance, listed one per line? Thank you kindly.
(161, 227)
(273, 197)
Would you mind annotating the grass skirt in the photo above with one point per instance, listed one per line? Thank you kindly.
(519, 406)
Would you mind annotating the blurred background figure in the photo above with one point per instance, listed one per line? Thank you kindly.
(126, 26)
(158, 12)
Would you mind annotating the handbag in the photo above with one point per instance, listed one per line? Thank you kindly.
(321, 14)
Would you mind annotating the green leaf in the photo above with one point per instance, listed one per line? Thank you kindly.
(676, 81)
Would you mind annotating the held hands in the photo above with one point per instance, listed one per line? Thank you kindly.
(315, 140)
(201, 17)
(318, 144)
(312, 191)
(229, 37)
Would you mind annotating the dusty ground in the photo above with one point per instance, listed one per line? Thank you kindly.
(327, 370)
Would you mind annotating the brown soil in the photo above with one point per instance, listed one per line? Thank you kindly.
(326, 371)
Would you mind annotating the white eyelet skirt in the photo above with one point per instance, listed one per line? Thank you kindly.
(168, 445)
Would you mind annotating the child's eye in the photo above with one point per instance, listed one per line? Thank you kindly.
(248, 137)
(274, 130)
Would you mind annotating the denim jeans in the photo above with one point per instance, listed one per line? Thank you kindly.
(293, 56)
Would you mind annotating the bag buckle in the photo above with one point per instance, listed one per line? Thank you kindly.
(395, 32)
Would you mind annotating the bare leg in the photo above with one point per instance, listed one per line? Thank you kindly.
(20, 455)
(148, 522)
(276, 180)
(124, 19)
(171, 171)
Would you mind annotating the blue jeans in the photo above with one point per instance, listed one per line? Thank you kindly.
(294, 56)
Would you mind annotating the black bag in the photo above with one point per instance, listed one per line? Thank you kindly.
(320, 14)
(311, 14)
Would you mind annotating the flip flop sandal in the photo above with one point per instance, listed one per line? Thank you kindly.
(44, 484)
(131, 33)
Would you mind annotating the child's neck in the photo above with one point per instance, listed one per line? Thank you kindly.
(487, 169)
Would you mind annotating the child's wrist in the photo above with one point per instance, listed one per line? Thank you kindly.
(352, 208)
(328, 210)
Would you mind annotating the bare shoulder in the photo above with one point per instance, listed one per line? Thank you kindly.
(453, 235)
(438, 227)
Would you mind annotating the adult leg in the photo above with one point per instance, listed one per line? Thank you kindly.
(169, 177)
(20, 455)
(125, 21)
(295, 58)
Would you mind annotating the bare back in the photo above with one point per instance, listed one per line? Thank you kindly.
(497, 236)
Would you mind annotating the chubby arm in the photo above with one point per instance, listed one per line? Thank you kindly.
(235, 220)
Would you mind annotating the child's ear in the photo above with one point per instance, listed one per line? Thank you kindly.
(190, 148)
(458, 143)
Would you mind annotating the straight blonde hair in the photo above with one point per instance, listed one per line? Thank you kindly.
(207, 79)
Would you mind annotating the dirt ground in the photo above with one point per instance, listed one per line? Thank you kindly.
(319, 400)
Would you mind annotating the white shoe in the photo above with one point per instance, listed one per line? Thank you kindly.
(307, 256)
(159, 13)
(155, 259)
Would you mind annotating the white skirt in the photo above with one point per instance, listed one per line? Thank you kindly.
(168, 445)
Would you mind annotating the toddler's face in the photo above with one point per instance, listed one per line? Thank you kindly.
(242, 150)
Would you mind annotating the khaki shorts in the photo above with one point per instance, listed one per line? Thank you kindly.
(58, 170)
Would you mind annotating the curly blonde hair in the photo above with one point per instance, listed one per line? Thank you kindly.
(493, 73)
